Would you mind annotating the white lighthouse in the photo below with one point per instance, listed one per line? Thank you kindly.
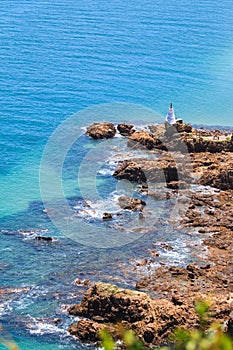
(170, 118)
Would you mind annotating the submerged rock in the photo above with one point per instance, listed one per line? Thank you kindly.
(107, 216)
(43, 238)
(101, 131)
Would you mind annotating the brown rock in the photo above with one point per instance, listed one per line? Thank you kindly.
(129, 170)
(101, 131)
(183, 127)
(142, 139)
(221, 178)
(86, 330)
(125, 129)
(152, 320)
(156, 171)
(133, 204)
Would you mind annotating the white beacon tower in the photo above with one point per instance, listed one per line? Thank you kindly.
(170, 118)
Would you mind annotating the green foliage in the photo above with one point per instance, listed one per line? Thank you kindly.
(212, 339)
(107, 340)
(127, 338)
(202, 310)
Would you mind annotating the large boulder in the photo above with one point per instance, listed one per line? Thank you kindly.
(101, 131)
(108, 303)
(106, 306)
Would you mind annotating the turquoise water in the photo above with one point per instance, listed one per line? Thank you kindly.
(58, 58)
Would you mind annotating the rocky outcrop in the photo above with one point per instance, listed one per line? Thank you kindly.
(162, 170)
(106, 305)
(87, 331)
(220, 178)
(130, 170)
(125, 129)
(142, 139)
(133, 204)
(208, 215)
(214, 170)
(183, 127)
(101, 131)
(202, 145)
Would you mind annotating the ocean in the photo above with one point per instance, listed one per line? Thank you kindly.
(61, 59)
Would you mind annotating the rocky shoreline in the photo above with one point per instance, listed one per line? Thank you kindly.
(165, 299)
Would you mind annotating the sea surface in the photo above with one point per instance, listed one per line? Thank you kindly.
(59, 59)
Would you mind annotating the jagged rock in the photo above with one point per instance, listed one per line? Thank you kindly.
(114, 304)
(142, 139)
(183, 127)
(222, 179)
(175, 185)
(201, 145)
(152, 320)
(125, 129)
(101, 130)
(129, 170)
(86, 330)
(133, 204)
(163, 170)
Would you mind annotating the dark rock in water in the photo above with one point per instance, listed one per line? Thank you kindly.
(107, 216)
(57, 320)
(142, 139)
(101, 131)
(79, 282)
(42, 238)
(133, 204)
(125, 129)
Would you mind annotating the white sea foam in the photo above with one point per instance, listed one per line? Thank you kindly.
(41, 327)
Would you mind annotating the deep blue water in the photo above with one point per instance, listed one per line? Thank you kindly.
(58, 58)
